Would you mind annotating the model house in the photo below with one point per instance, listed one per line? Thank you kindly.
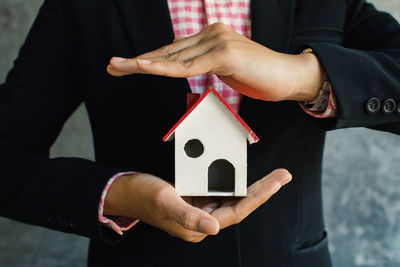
(211, 149)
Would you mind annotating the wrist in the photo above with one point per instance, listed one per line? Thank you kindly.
(310, 76)
(114, 202)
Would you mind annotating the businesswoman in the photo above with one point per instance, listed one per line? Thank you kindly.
(292, 69)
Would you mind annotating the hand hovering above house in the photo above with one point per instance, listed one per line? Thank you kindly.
(155, 202)
(244, 65)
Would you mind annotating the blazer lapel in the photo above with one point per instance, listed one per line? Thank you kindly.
(148, 26)
(148, 23)
(272, 22)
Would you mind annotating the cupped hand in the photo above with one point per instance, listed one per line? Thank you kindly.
(155, 202)
(246, 66)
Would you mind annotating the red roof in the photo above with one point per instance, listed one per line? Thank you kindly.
(252, 137)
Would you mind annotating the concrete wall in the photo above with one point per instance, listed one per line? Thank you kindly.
(361, 196)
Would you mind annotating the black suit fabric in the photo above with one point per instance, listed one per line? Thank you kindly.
(62, 64)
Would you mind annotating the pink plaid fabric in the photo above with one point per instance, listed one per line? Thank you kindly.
(118, 224)
(188, 18)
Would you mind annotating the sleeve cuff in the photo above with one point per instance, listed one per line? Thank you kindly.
(324, 106)
(117, 223)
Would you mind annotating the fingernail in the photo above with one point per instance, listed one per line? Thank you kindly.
(118, 59)
(143, 61)
(288, 178)
(208, 227)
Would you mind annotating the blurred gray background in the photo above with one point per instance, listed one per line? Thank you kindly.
(361, 198)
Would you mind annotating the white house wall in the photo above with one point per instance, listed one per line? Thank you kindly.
(222, 136)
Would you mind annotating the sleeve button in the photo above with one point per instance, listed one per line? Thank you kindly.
(389, 106)
(373, 105)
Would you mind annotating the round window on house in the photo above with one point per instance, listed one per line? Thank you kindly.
(194, 148)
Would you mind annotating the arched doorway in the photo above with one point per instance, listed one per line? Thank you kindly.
(221, 176)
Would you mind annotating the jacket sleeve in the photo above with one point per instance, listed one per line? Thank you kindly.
(38, 96)
(367, 66)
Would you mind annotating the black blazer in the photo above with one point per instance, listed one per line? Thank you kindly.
(62, 64)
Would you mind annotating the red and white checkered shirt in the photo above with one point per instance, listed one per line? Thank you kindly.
(192, 16)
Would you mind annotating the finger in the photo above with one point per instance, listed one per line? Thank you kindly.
(156, 201)
(261, 191)
(124, 66)
(205, 63)
(202, 201)
(178, 38)
(258, 193)
(269, 185)
(178, 44)
(114, 72)
(195, 219)
(189, 217)
(230, 201)
(208, 204)
(130, 66)
(210, 207)
(185, 54)
(225, 216)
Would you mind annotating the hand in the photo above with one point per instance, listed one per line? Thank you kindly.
(244, 65)
(155, 202)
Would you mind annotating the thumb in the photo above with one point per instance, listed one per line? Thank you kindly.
(194, 219)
